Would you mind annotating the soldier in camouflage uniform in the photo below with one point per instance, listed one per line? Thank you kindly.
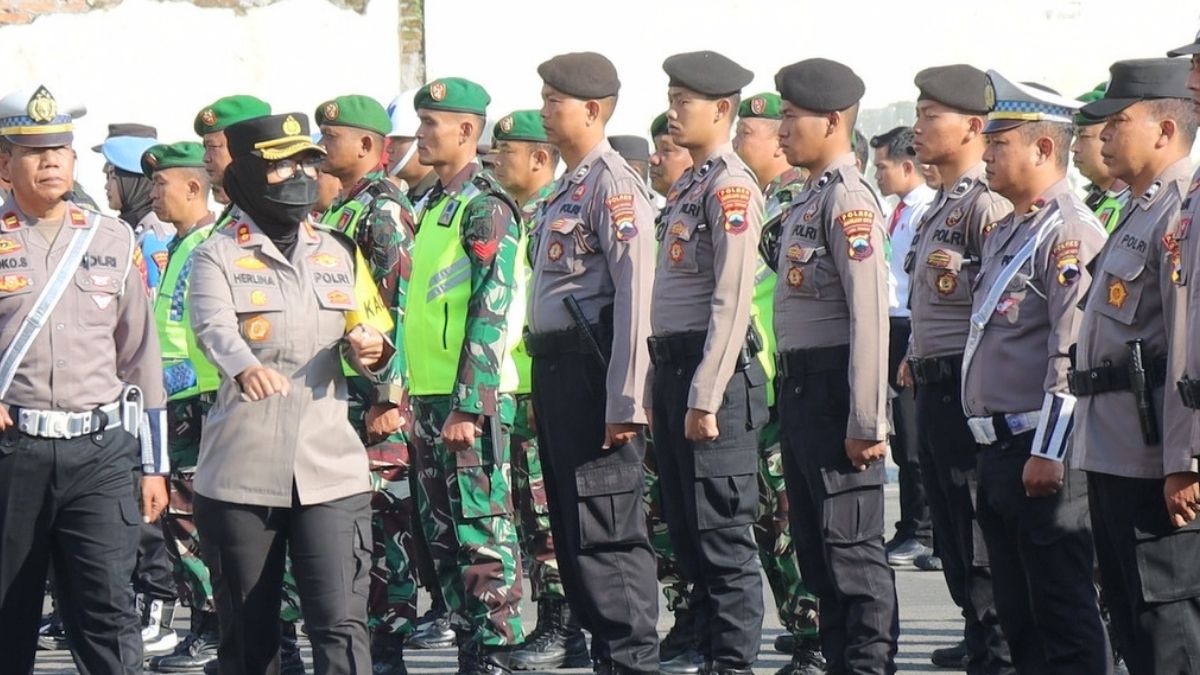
(524, 164)
(373, 211)
(757, 143)
(461, 320)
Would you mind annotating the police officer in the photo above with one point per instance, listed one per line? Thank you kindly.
(525, 162)
(1106, 194)
(942, 264)
(708, 393)
(668, 161)
(1033, 275)
(179, 193)
(636, 153)
(280, 468)
(461, 321)
(589, 313)
(757, 143)
(372, 211)
(77, 379)
(210, 125)
(1131, 438)
(831, 322)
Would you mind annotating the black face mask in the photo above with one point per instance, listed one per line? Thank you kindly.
(277, 209)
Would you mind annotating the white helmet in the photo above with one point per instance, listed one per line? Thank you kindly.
(404, 115)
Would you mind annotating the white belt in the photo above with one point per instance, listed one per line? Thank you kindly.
(59, 424)
(986, 433)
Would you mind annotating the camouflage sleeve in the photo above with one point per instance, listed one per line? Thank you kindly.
(390, 230)
(491, 239)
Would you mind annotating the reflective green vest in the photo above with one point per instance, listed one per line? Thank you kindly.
(186, 372)
(439, 290)
(762, 314)
(345, 220)
(1108, 211)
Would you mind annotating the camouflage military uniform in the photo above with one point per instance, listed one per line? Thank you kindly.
(384, 233)
(464, 497)
(796, 606)
(529, 488)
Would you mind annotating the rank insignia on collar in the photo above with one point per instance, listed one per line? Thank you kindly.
(10, 222)
(704, 169)
(78, 219)
(243, 234)
(961, 187)
(580, 173)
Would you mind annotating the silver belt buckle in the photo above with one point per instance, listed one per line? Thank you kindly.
(1019, 423)
(983, 430)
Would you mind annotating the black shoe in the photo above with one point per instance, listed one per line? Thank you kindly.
(475, 659)
(556, 642)
(950, 657)
(433, 632)
(905, 552)
(681, 637)
(51, 634)
(196, 651)
(785, 643)
(928, 563)
(688, 662)
(212, 668)
(806, 659)
(387, 655)
(290, 661)
(727, 669)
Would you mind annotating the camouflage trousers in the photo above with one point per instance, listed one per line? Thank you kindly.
(533, 508)
(675, 589)
(193, 582)
(772, 531)
(465, 504)
(392, 598)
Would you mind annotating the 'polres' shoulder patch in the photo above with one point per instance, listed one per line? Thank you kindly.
(1066, 261)
(735, 200)
(620, 209)
(857, 226)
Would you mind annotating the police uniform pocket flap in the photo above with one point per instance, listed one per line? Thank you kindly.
(802, 254)
(97, 280)
(716, 463)
(1123, 265)
(564, 226)
(1163, 556)
(248, 300)
(608, 480)
(683, 230)
(944, 259)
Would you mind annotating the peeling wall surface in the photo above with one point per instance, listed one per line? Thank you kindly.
(160, 62)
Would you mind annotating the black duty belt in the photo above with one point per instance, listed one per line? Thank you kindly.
(1108, 378)
(685, 347)
(935, 369)
(797, 363)
(570, 341)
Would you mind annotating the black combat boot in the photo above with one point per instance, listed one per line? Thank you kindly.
(196, 651)
(556, 642)
(290, 661)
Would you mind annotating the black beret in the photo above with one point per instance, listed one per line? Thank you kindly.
(958, 86)
(584, 75)
(631, 148)
(707, 73)
(1140, 80)
(819, 85)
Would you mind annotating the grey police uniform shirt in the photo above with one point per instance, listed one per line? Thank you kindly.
(832, 287)
(99, 337)
(944, 260)
(1136, 294)
(252, 306)
(1022, 359)
(704, 280)
(1189, 268)
(595, 241)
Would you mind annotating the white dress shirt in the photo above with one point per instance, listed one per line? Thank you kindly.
(915, 203)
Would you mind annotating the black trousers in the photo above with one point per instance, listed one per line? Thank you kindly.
(1040, 549)
(69, 503)
(915, 522)
(837, 525)
(330, 545)
(153, 574)
(949, 458)
(1150, 572)
(710, 502)
(596, 516)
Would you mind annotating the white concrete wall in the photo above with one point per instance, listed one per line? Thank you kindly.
(1066, 44)
(160, 62)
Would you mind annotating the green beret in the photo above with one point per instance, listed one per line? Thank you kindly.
(229, 110)
(453, 94)
(522, 125)
(766, 105)
(1096, 94)
(360, 112)
(172, 156)
(659, 126)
